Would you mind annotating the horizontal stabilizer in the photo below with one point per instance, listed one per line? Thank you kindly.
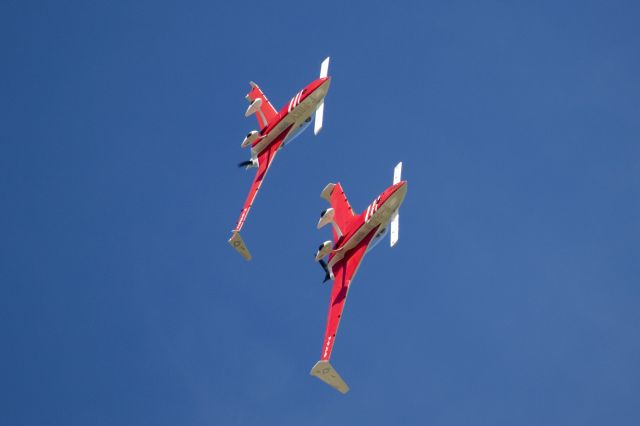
(237, 243)
(395, 228)
(397, 173)
(324, 67)
(395, 219)
(325, 372)
(317, 124)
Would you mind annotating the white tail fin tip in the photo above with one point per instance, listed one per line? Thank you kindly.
(325, 372)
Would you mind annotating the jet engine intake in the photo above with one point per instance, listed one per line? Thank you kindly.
(326, 217)
(323, 250)
(254, 107)
(250, 138)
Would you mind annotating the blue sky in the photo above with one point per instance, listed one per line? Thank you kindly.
(511, 299)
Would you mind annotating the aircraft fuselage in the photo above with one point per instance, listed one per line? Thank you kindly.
(374, 219)
(294, 117)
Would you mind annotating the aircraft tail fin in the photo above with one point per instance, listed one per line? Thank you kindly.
(237, 243)
(325, 372)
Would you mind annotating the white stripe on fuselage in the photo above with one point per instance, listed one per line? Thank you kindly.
(294, 101)
(376, 216)
(296, 114)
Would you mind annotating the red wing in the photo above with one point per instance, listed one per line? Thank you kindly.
(267, 112)
(344, 271)
(343, 213)
(264, 161)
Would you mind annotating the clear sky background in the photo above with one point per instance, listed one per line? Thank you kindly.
(511, 299)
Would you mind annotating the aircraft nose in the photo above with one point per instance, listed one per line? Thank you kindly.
(401, 191)
(324, 87)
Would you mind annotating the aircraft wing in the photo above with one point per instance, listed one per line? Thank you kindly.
(266, 112)
(343, 213)
(343, 271)
(264, 161)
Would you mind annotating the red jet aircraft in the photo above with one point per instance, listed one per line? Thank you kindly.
(353, 236)
(276, 130)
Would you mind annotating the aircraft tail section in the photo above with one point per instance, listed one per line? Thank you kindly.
(238, 244)
(325, 372)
